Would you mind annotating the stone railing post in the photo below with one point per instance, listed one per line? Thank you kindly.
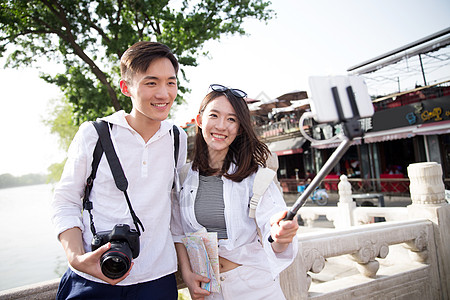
(344, 217)
(295, 281)
(428, 201)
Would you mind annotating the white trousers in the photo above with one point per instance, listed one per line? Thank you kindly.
(249, 283)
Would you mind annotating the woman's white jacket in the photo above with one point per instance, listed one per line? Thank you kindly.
(242, 246)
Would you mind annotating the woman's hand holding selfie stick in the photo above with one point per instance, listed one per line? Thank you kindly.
(331, 162)
(328, 92)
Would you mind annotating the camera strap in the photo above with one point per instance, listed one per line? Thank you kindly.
(87, 204)
(176, 146)
(104, 144)
(176, 143)
(116, 169)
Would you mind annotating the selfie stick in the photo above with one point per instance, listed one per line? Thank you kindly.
(352, 128)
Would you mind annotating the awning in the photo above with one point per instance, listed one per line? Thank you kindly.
(391, 134)
(288, 146)
(296, 104)
(433, 128)
(333, 144)
(427, 44)
(407, 132)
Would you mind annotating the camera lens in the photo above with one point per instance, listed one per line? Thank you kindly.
(116, 261)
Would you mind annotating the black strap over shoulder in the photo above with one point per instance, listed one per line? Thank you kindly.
(104, 144)
(176, 144)
(176, 141)
(111, 155)
(87, 204)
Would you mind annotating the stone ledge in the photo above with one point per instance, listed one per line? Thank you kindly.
(38, 291)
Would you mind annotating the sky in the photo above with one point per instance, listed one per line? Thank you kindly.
(307, 38)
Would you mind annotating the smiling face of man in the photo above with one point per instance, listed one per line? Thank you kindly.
(152, 92)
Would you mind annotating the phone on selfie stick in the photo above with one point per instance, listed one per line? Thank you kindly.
(335, 99)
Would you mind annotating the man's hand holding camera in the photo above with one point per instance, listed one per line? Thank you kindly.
(86, 262)
(91, 262)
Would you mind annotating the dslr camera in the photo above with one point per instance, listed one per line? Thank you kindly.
(124, 246)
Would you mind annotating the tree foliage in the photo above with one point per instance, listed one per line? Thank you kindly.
(89, 37)
(61, 124)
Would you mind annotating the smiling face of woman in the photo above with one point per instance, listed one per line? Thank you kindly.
(220, 127)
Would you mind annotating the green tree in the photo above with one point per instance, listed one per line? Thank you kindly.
(60, 122)
(88, 38)
(62, 125)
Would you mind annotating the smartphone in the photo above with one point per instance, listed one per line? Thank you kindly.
(323, 102)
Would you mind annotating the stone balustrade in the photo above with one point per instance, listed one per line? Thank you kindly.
(407, 257)
(383, 261)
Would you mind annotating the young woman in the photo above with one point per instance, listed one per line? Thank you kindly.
(216, 194)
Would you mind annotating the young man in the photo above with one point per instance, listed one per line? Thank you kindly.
(145, 147)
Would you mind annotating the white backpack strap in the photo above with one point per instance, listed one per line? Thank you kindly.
(183, 173)
(263, 178)
(272, 161)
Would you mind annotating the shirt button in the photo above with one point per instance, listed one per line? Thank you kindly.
(222, 278)
(144, 163)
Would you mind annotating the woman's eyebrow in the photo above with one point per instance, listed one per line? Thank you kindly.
(218, 111)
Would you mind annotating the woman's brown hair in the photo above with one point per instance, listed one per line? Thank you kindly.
(247, 152)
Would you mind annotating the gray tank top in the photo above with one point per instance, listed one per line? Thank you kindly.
(209, 205)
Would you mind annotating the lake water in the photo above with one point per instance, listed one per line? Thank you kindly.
(29, 251)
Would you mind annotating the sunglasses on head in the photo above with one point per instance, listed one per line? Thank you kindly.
(221, 88)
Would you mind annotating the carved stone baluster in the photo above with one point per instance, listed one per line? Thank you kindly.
(418, 248)
(367, 264)
(426, 185)
(314, 262)
(309, 217)
(344, 217)
(365, 257)
(383, 250)
(428, 201)
(369, 269)
(345, 190)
